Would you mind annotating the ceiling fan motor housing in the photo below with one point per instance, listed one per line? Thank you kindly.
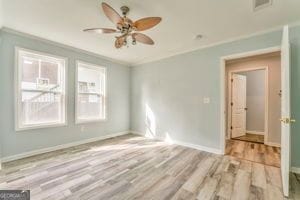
(125, 10)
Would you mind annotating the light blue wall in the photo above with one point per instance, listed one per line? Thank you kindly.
(174, 88)
(117, 95)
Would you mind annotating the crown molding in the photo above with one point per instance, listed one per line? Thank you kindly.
(75, 49)
(233, 39)
(150, 59)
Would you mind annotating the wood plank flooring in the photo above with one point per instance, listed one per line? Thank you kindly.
(251, 138)
(295, 186)
(132, 167)
(254, 152)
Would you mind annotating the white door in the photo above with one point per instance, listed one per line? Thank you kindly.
(238, 105)
(285, 111)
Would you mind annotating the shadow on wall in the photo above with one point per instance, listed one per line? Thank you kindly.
(151, 126)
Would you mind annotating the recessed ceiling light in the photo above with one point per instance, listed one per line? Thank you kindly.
(198, 37)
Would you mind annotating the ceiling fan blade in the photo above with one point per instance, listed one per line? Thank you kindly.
(111, 14)
(142, 38)
(119, 42)
(146, 23)
(100, 30)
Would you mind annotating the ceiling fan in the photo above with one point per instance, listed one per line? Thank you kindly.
(126, 27)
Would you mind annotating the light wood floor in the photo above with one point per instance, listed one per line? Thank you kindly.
(254, 152)
(251, 138)
(132, 167)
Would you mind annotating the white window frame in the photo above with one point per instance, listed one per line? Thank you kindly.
(18, 92)
(94, 67)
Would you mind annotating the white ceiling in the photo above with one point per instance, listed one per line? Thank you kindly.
(217, 20)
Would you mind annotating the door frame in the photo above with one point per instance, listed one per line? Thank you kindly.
(223, 113)
(266, 99)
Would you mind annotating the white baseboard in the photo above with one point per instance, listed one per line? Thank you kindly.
(256, 132)
(295, 170)
(273, 144)
(190, 145)
(63, 146)
(137, 133)
(58, 147)
(199, 147)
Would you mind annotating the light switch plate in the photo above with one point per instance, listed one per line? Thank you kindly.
(206, 100)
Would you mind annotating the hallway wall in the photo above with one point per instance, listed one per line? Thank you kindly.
(273, 62)
(255, 115)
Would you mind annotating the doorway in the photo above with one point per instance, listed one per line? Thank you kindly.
(253, 107)
(248, 100)
(286, 118)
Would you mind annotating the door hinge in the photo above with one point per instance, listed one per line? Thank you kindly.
(231, 104)
(231, 127)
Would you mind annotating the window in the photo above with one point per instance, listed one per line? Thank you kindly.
(40, 90)
(90, 93)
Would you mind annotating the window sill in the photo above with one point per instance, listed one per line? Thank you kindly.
(42, 126)
(89, 121)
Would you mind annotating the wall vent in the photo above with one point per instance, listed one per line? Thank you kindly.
(259, 4)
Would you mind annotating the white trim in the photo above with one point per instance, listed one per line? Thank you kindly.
(223, 113)
(83, 121)
(149, 59)
(94, 67)
(266, 71)
(62, 45)
(255, 132)
(233, 39)
(17, 78)
(181, 143)
(137, 133)
(198, 147)
(223, 60)
(40, 126)
(252, 53)
(295, 170)
(62, 146)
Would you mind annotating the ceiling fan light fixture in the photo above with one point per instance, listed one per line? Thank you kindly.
(126, 27)
(133, 42)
